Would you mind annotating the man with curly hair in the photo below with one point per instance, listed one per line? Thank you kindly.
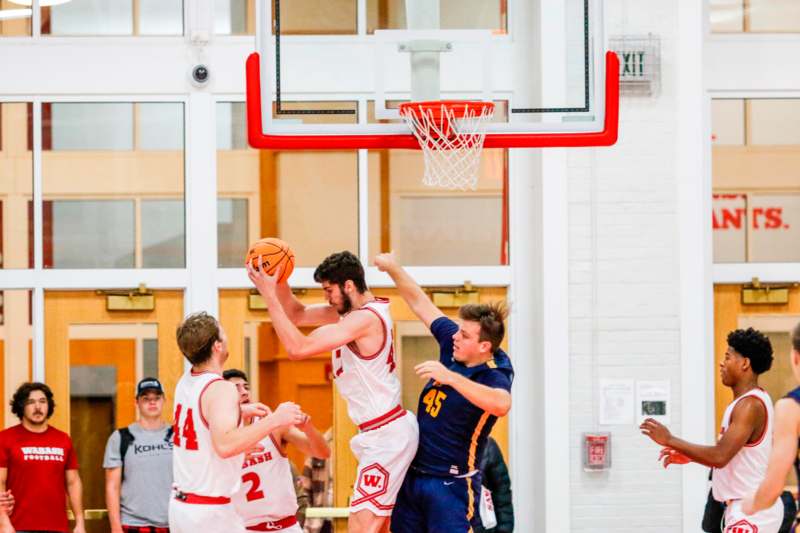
(39, 466)
(356, 327)
(739, 458)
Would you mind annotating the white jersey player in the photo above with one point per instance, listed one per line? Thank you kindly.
(358, 331)
(209, 445)
(741, 454)
(266, 499)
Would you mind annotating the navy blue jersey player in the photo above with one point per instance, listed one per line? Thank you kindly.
(467, 389)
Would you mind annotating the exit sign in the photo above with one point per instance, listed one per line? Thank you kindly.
(640, 64)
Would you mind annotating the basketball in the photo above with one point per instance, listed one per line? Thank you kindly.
(274, 253)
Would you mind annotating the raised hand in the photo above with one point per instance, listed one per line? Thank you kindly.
(385, 261)
(288, 414)
(657, 431)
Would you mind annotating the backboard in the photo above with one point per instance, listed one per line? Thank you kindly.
(544, 60)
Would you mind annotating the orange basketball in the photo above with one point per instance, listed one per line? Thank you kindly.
(274, 253)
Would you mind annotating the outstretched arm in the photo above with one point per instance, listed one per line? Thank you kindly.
(220, 404)
(744, 420)
(409, 290)
(784, 452)
(308, 440)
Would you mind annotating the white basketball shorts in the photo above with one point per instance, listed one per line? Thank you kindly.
(766, 521)
(384, 455)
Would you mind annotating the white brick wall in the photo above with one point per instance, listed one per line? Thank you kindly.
(624, 294)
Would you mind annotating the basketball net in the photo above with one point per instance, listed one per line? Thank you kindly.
(451, 135)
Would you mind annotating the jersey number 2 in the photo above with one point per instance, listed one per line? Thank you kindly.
(433, 402)
(187, 431)
(253, 493)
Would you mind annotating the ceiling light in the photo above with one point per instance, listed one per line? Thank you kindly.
(12, 14)
(42, 3)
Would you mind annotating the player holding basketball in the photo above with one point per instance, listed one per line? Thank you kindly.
(209, 443)
(784, 448)
(358, 330)
(740, 456)
(467, 389)
(267, 500)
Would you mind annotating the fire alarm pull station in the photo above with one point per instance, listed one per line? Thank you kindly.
(596, 452)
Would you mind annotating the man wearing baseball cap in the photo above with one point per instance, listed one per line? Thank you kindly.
(138, 463)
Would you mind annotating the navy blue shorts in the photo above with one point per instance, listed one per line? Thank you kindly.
(433, 504)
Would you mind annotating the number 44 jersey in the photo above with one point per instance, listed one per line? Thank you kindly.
(197, 467)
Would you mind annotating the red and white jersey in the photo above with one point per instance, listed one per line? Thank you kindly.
(745, 472)
(267, 492)
(368, 382)
(197, 469)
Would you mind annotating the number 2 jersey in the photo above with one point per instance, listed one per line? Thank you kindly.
(453, 431)
(196, 466)
(267, 492)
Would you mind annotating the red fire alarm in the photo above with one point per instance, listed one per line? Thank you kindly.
(596, 451)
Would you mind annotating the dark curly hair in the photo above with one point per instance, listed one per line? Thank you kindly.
(22, 394)
(796, 337)
(338, 268)
(754, 345)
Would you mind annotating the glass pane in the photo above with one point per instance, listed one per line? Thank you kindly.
(232, 231)
(297, 17)
(16, 346)
(16, 187)
(90, 233)
(730, 227)
(773, 16)
(417, 221)
(114, 17)
(100, 178)
(727, 119)
(455, 15)
(234, 17)
(162, 233)
(15, 19)
(296, 196)
(727, 16)
(773, 122)
(775, 231)
(159, 126)
(160, 17)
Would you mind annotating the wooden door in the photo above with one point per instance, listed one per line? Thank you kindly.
(775, 321)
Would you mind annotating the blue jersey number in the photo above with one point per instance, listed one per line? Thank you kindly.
(433, 402)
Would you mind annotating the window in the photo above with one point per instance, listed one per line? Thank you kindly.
(114, 17)
(113, 178)
(755, 154)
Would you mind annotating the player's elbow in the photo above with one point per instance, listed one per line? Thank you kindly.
(502, 406)
(721, 459)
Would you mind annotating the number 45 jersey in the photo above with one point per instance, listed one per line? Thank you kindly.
(453, 430)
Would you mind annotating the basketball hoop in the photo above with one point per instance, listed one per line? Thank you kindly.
(451, 135)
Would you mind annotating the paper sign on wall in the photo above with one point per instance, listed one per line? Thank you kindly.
(616, 402)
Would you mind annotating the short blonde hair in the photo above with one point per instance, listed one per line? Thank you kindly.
(196, 336)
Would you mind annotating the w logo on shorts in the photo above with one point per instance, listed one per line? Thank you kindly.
(742, 526)
(373, 481)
